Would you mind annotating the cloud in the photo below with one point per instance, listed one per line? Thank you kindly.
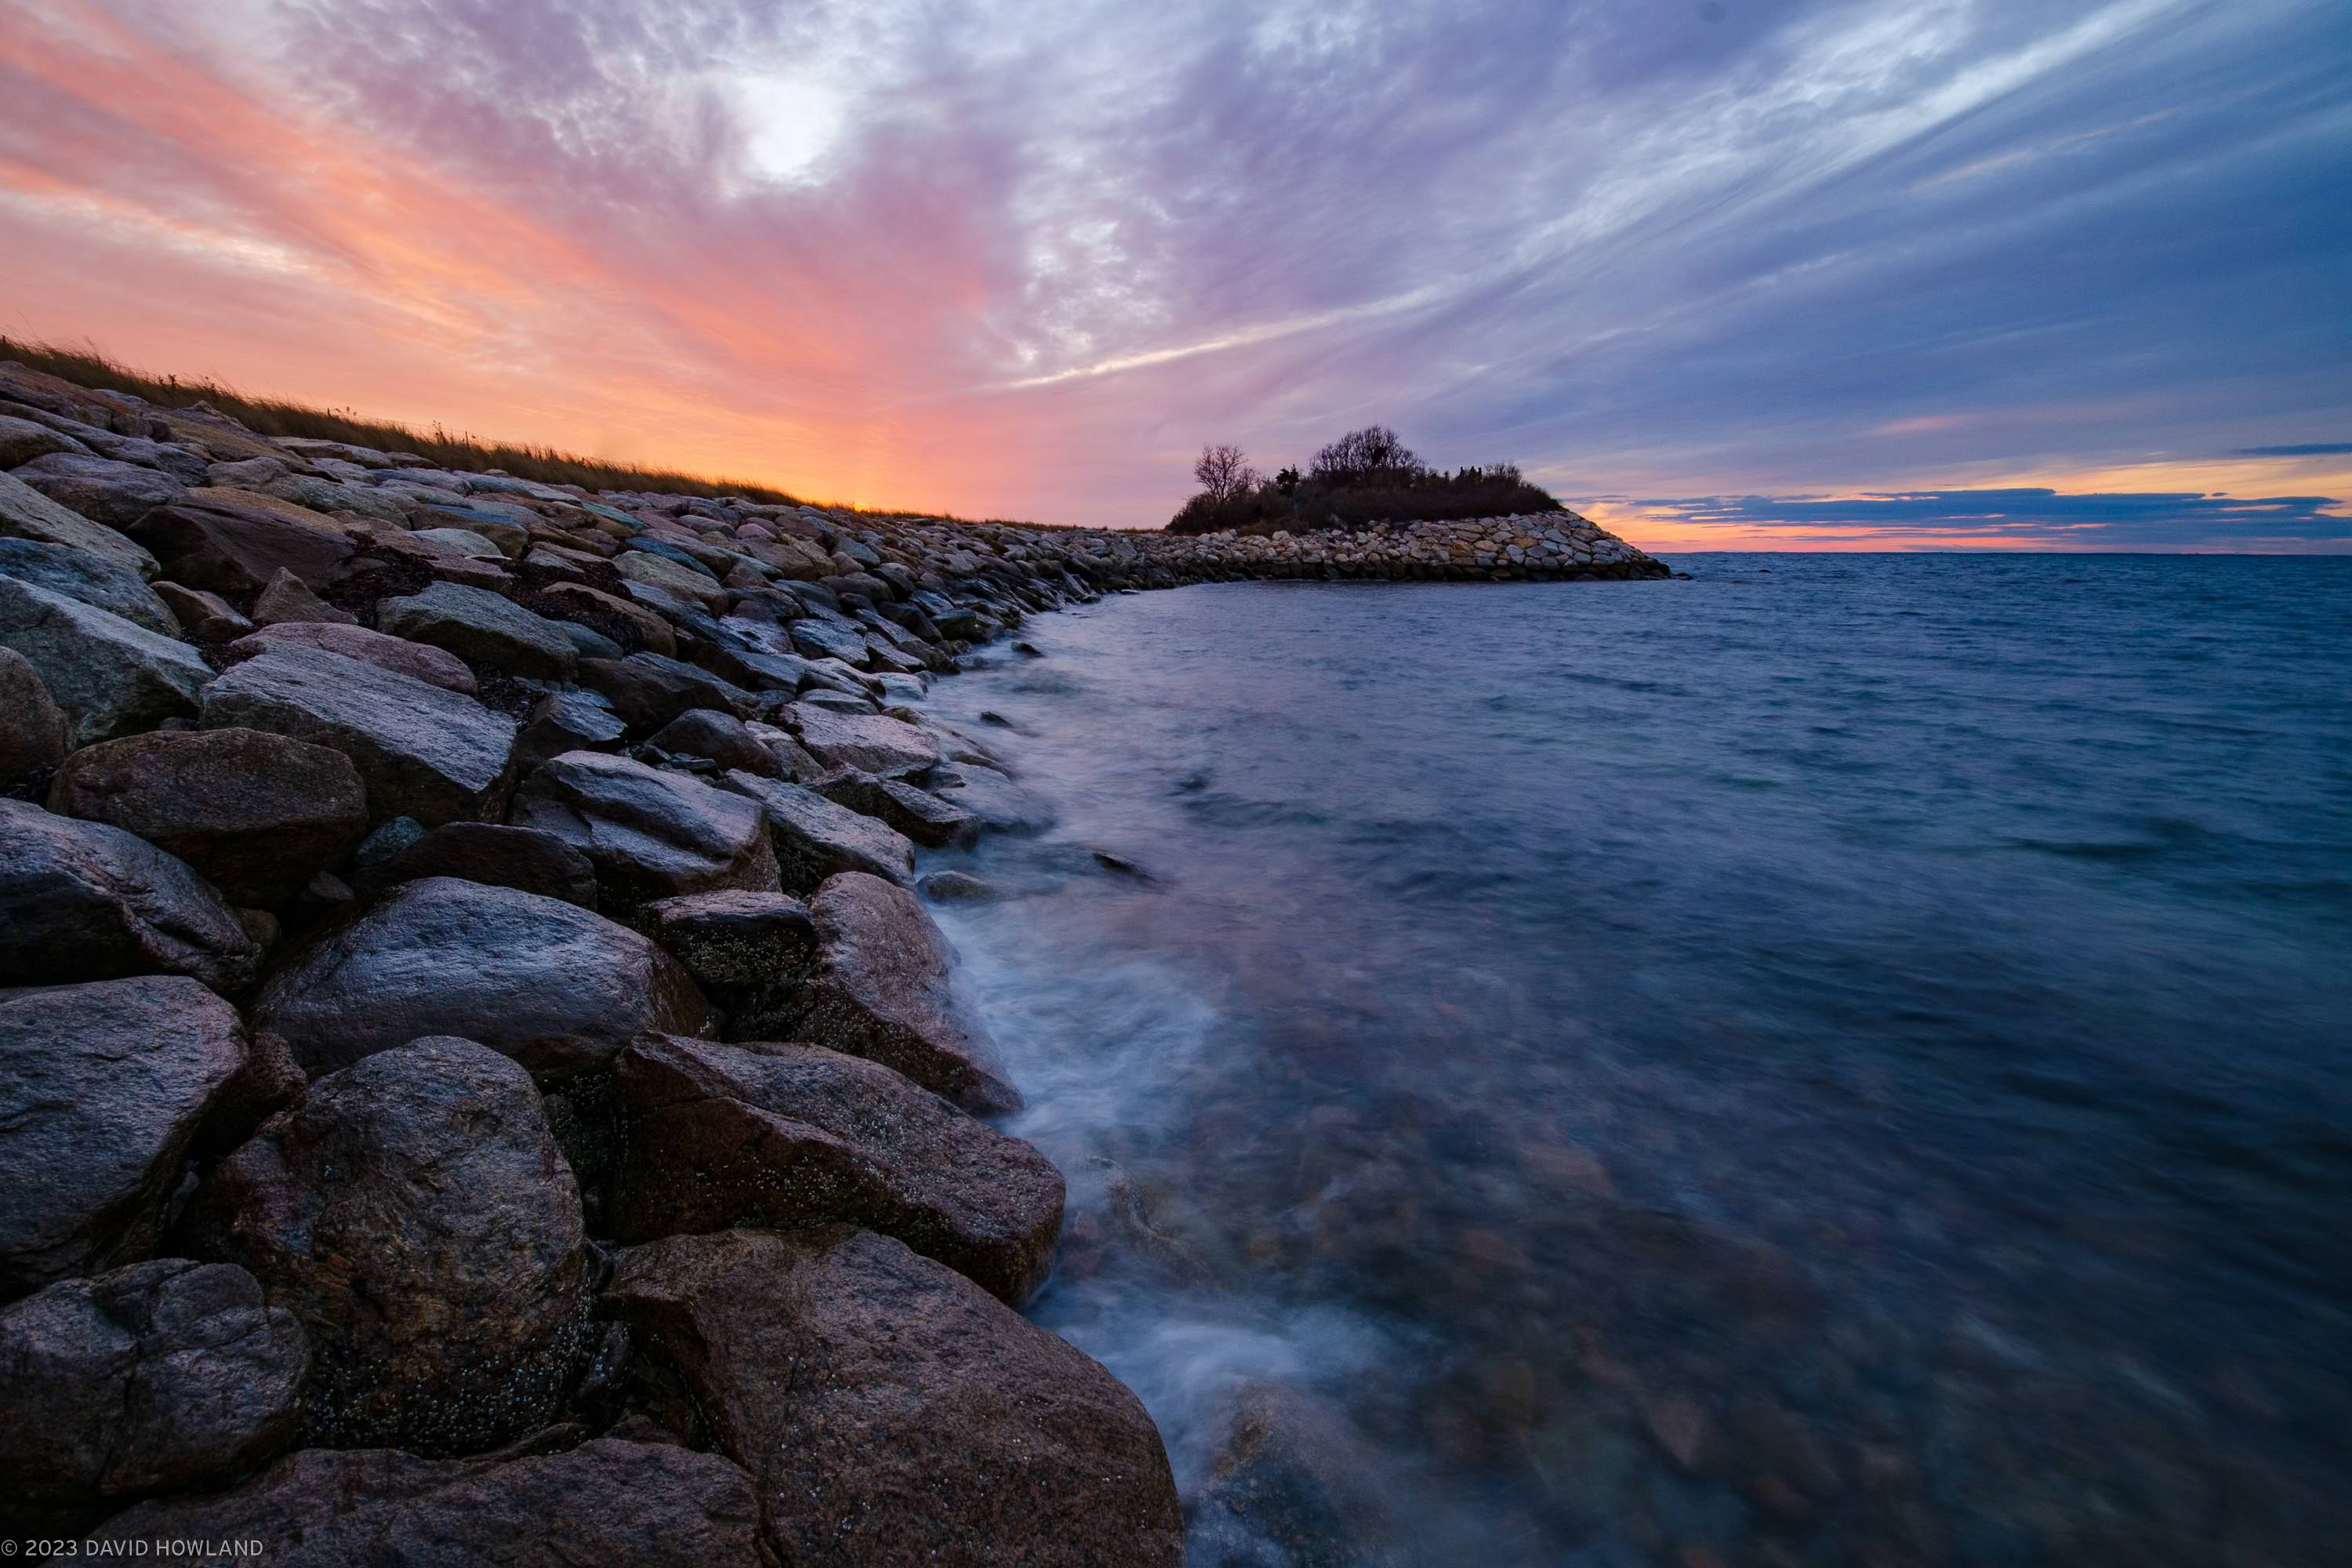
(1022, 260)
(2027, 517)
(2309, 449)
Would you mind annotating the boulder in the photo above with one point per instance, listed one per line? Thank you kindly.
(110, 676)
(647, 1505)
(567, 720)
(869, 742)
(548, 983)
(234, 541)
(413, 1212)
(255, 813)
(205, 617)
(672, 576)
(791, 1136)
(421, 751)
(990, 796)
(617, 617)
(917, 813)
(956, 888)
(32, 730)
(102, 1089)
(111, 493)
(1290, 1483)
(21, 441)
(650, 834)
(649, 691)
(524, 858)
(161, 1376)
(881, 988)
(482, 628)
(82, 901)
(93, 579)
(830, 639)
(720, 738)
(927, 1422)
(398, 655)
(728, 939)
(814, 838)
(287, 599)
(27, 513)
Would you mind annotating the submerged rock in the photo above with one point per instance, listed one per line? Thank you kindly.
(102, 1089)
(647, 1505)
(881, 989)
(81, 900)
(546, 981)
(927, 1422)
(413, 1212)
(792, 1136)
(159, 1376)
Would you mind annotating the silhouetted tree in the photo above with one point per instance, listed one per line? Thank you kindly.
(1372, 453)
(1224, 473)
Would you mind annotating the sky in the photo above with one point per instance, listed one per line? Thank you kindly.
(1721, 274)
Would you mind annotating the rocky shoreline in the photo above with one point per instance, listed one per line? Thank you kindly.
(476, 1075)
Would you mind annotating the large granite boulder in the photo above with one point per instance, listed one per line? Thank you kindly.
(102, 1089)
(733, 937)
(27, 513)
(93, 579)
(256, 814)
(520, 857)
(548, 983)
(286, 600)
(649, 691)
(22, 440)
(646, 1505)
(881, 988)
(719, 1136)
(161, 1376)
(830, 639)
(567, 720)
(482, 628)
(814, 838)
(32, 727)
(234, 541)
(111, 493)
(81, 900)
(430, 665)
(917, 813)
(927, 1422)
(721, 739)
(872, 742)
(421, 751)
(110, 676)
(650, 834)
(413, 1212)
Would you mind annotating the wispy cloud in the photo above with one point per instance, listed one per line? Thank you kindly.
(1023, 261)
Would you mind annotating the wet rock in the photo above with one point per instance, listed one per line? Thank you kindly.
(93, 579)
(108, 492)
(82, 901)
(103, 1087)
(677, 577)
(421, 751)
(617, 617)
(548, 983)
(957, 888)
(928, 1422)
(791, 1136)
(32, 730)
(1291, 1484)
(286, 598)
(389, 840)
(567, 720)
(21, 441)
(650, 834)
(881, 989)
(110, 676)
(722, 738)
(254, 814)
(413, 1212)
(208, 617)
(159, 1376)
(829, 639)
(647, 1505)
(524, 858)
(814, 838)
(733, 937)
(398, 655)
(919, 815)
(234, 542)
(871, 743)
(1001, 805)
(27, 513)
(648, 691)
(482, 628)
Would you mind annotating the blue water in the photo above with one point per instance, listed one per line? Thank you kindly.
(1843, 1060)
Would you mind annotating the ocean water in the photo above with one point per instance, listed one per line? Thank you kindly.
(1843, 1059)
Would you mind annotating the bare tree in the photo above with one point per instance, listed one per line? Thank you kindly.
(1223, 472)
(1373, 452)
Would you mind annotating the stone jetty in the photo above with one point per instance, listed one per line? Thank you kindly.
(477, 1079)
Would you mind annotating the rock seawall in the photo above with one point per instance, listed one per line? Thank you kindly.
(467, 1036)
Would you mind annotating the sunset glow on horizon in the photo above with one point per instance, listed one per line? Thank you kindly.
(1767, 276)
